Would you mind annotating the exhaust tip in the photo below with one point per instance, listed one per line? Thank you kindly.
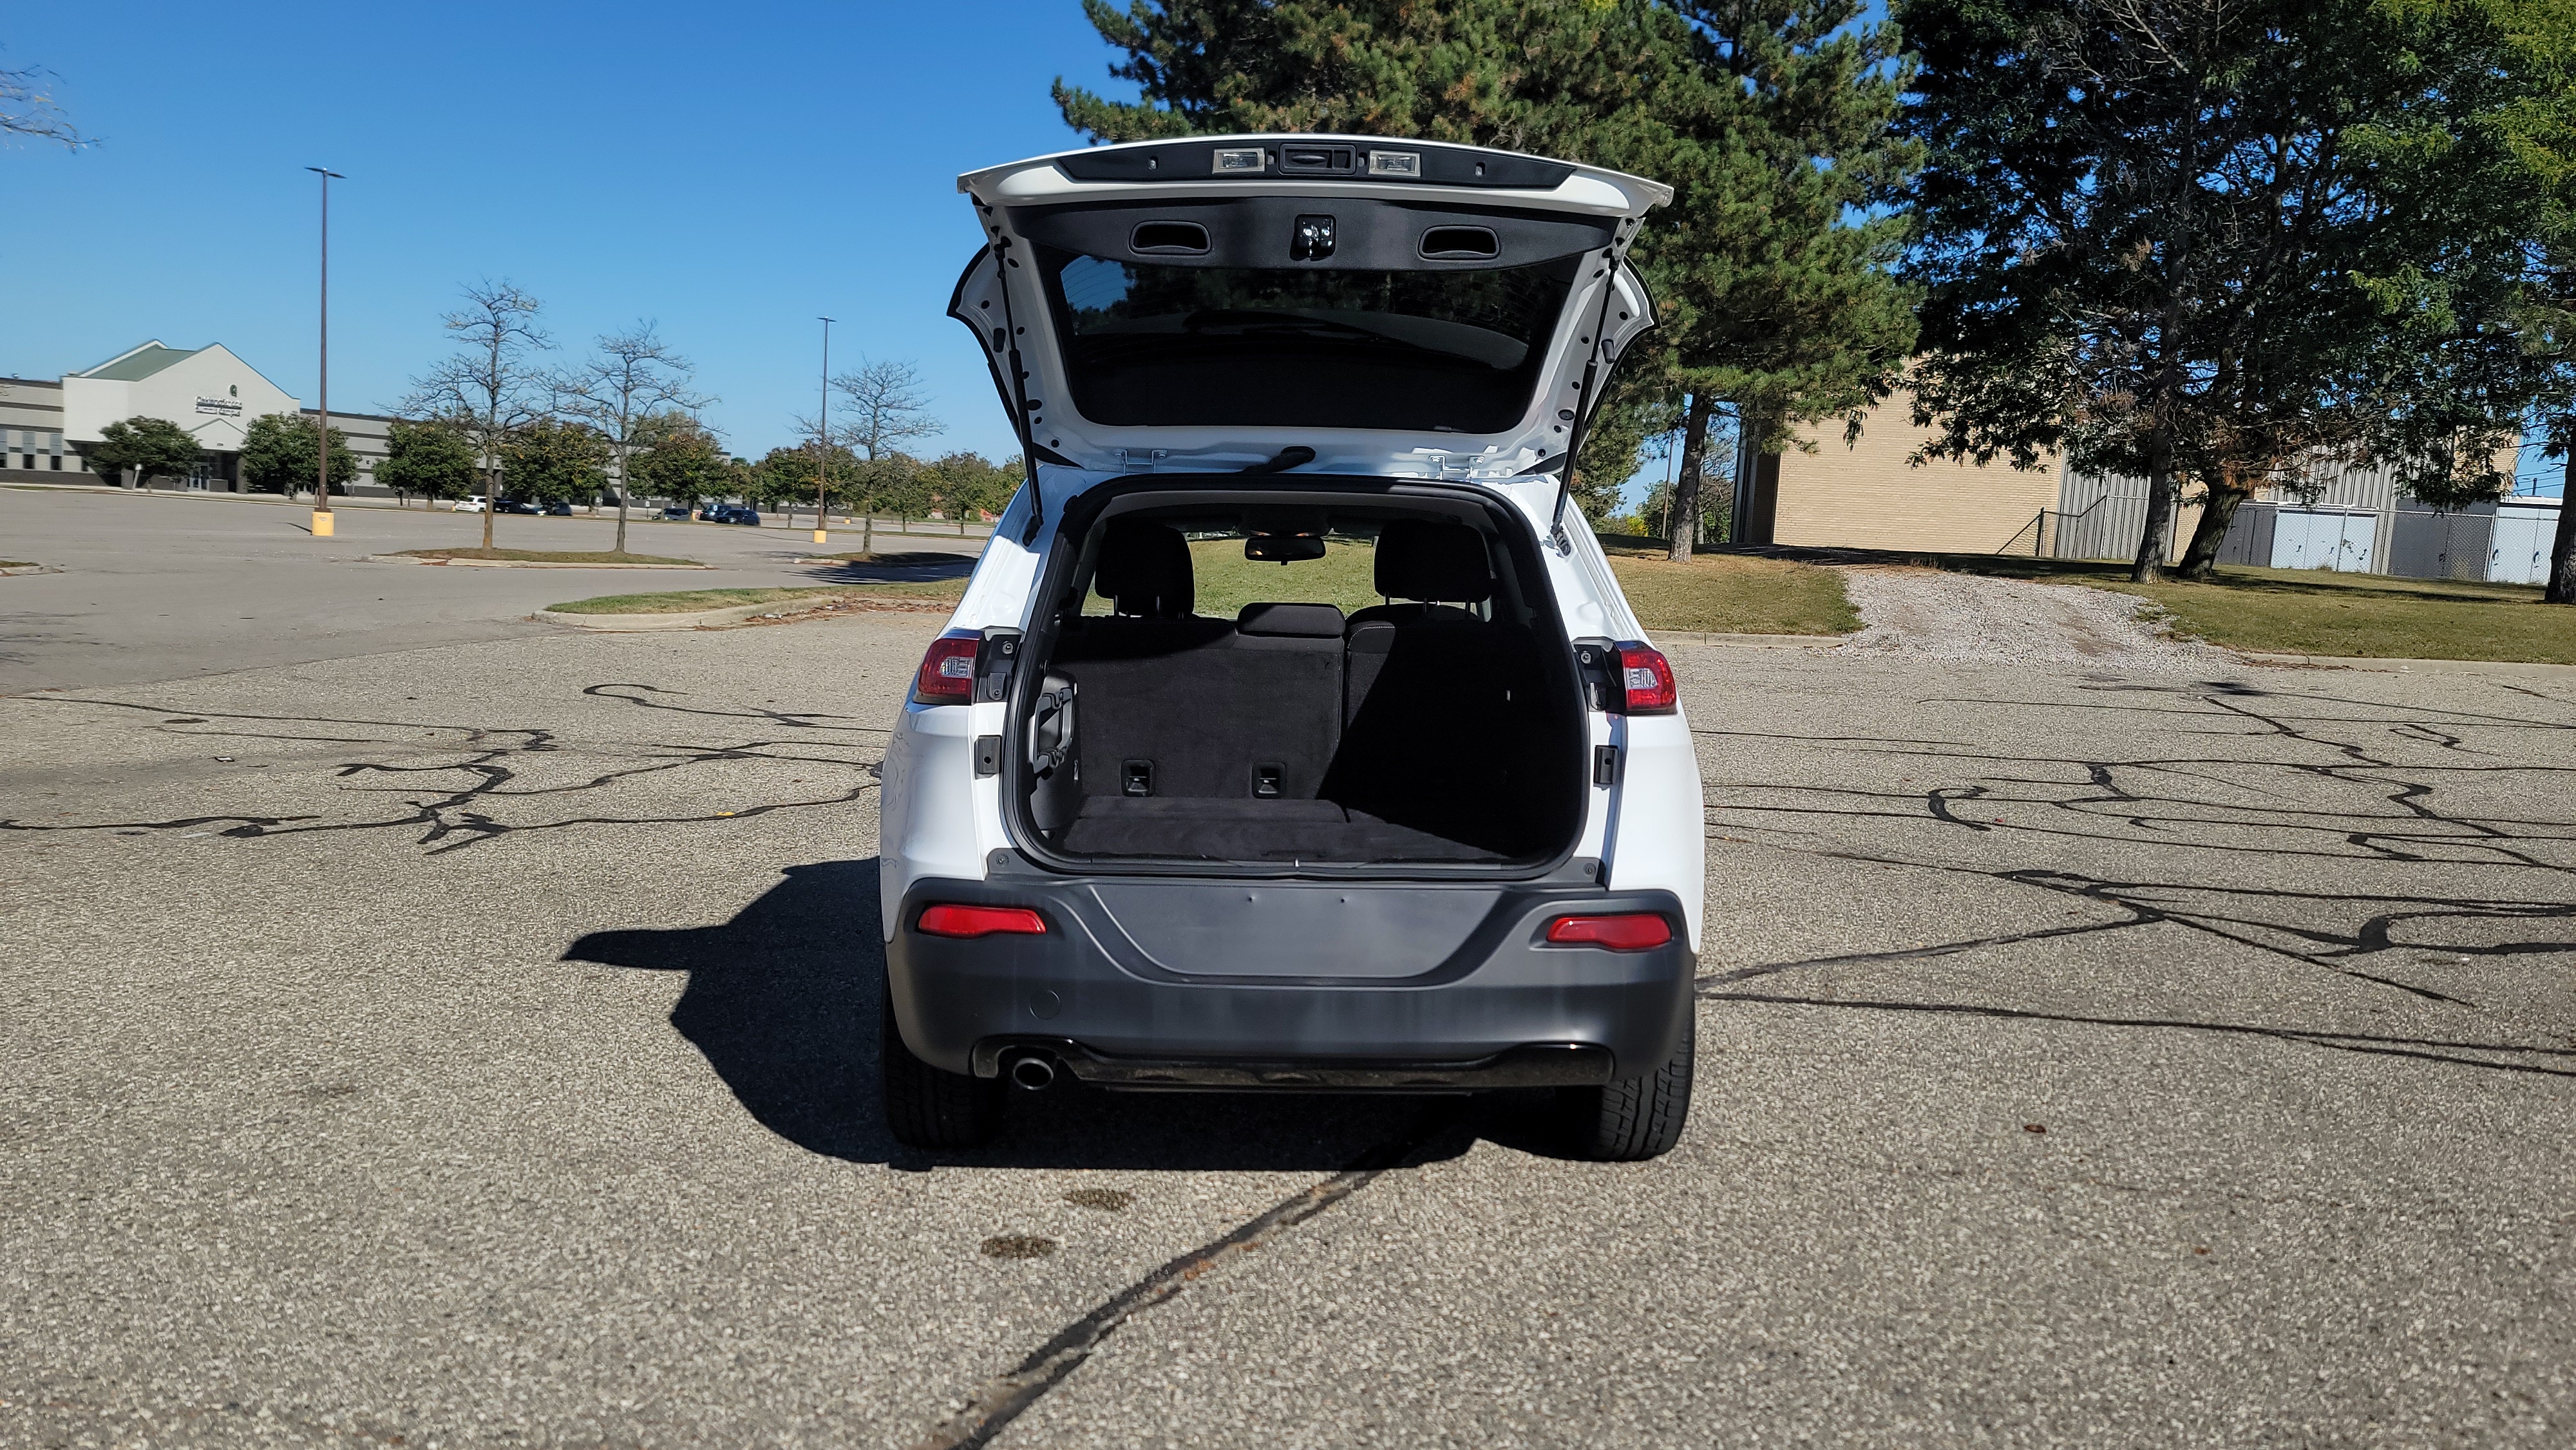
(1031, 1071)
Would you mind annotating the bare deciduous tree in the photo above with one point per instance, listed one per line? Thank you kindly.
(490, 388)
(888, 410)
(27, 109)
(634, 376)
(888, 406)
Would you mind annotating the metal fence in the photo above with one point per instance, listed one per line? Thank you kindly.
(2429, 545)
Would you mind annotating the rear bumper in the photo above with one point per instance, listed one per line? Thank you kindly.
(1461, 1002)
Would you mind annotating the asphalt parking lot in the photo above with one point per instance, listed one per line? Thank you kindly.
(155, 586)
(472, 1043)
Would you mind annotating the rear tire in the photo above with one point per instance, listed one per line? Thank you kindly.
(1628, 1122)
(926, 1107)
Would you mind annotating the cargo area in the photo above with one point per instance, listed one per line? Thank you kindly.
(1399, 694)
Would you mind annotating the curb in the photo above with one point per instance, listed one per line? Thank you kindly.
(510, 563)
(782, 610)
(2406, 666)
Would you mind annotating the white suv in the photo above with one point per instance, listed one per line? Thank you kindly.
(1446, 839)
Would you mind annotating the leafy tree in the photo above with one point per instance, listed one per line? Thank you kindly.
(675, 457)
(2215, 240)
(896, 483)
(969, 484)
(2539, 123)
(277, 455)
(427, 460)
(787, 477)
(552, 460)
(633, 379)
(1637, 409)
(1768, 116)
(491, 386)
(152, 447)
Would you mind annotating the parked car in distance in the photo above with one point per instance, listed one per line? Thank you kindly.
(518, 506)
(1451, 841)
(558, 510)
(677, 513)
(726, 513)
(468, 506)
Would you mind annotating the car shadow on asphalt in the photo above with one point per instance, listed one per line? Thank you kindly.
(922, 567)
(783, 1000)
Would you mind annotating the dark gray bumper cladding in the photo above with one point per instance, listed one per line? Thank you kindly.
(1389, 985)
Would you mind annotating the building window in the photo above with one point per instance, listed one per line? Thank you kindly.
(58, 464)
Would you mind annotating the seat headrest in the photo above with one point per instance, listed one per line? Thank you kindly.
(1422, 560)
(1144, 569)
(1296, 621)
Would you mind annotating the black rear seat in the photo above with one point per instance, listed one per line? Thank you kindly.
(1184, 706)
(1432, 694)
(1292, 733)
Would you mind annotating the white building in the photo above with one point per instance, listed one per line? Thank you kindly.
(46, 427)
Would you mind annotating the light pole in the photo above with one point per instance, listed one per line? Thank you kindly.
(322, 438)
(823, 433)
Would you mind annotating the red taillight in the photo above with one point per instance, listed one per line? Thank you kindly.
(1630, 932)
(947, 675)
(1646, 681)
(970, 921)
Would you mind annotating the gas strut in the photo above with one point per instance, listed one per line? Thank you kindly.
(1585, 408)
(1020, 396)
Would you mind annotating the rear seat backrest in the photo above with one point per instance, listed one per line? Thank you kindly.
(1144, 569)
(1433, 694)
(1422, 562)
(1205, 703)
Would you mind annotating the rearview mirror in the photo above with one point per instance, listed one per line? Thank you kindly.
(1282, 548)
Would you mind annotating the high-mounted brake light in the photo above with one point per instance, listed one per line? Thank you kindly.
(947, 674)
(1636, 931)
(947, 919)
(1646, 681)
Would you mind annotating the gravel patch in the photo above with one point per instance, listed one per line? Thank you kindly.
(1927, 614)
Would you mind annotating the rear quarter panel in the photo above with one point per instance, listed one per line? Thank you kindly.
(1655, 834)
(935, 817)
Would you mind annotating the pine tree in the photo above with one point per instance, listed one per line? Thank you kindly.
(1769, 118)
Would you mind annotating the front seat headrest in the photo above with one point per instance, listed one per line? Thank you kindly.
(1144, 569)
(1444, 563)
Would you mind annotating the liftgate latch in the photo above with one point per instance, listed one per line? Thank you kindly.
(992, 684)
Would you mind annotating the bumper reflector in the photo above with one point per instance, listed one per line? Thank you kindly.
(1633, 932)
(974, 921)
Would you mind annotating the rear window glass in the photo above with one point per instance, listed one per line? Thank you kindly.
(1446, 351)
(1223, 580)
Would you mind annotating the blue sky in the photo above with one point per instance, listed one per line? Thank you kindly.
(731, 172)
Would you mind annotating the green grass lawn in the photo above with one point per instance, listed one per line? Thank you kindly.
(549, 556)
(2319, 612)
(1733, 594)
(689, 601)
(2315, 612)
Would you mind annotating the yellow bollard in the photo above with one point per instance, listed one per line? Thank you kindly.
(821, 538)
(321, 523)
